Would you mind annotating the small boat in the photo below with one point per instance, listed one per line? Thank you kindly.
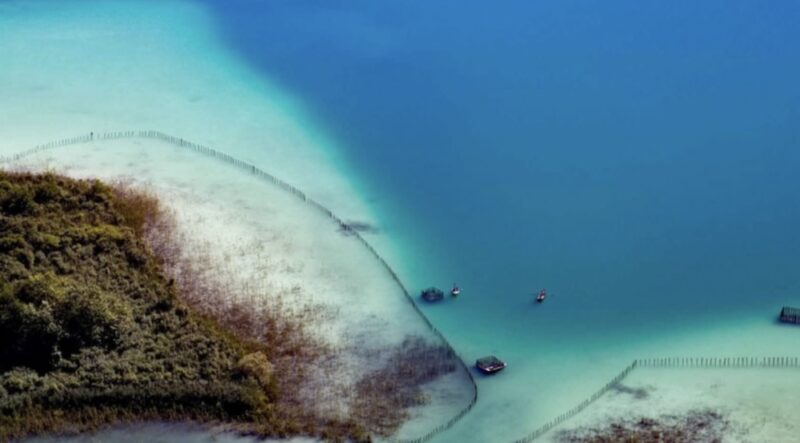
(455, 291)
(790, 315)
(542, 295)
(432, 295)
(490, 364)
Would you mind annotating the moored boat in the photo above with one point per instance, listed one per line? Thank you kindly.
(432, 295)
(490, 364)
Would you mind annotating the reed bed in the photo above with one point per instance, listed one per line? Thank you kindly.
(171, 253)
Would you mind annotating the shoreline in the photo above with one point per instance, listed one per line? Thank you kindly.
(79, 167)
(755, 405)
(43, 151)
(162, 431)
(179, 73)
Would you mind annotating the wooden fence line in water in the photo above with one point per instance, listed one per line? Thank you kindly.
(671, 363)
(577, 409)
(720, 362)
(252, 169)
(666, 362)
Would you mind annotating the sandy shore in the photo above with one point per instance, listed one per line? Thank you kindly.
(75, 67)
(260, 239)
(759, 404)
(100, 66)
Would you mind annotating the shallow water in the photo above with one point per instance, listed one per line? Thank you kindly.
(257, 240)
(757, 403)
(638, 160)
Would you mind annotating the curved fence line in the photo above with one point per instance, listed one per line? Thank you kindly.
(665, 362)
(577, 409)
(247, 167)
(671, 363)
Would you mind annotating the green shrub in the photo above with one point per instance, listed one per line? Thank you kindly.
(93, 331)
(19, 380)
(29, 335)
(37, 290)
(257, 366)
(48, 190)
(91, 317)
(15, 199)
(11, 241)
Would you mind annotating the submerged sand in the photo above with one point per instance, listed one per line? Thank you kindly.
(758, 404)
(71, 68)
(74, 67)
(264, 240)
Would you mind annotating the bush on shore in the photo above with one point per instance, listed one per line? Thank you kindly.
(93, 330)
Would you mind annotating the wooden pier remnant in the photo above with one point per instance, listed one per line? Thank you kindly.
(790, 315)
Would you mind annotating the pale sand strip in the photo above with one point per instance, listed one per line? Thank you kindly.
(268, 238)
(760, 403)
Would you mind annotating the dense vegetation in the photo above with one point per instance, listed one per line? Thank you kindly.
(93, 330)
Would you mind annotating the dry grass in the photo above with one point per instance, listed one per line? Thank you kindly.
(695, 426)
(279, 322)
(385, 395)
(139, 208)
(309, 396)
(92, 331)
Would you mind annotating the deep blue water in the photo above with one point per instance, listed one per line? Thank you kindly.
(638, 159)
(650, 149)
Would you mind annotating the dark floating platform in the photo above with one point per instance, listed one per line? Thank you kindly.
(790, 315)
(490, 364)
(353, 227)
(432, 295)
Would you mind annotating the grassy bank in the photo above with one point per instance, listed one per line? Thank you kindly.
(93, 330)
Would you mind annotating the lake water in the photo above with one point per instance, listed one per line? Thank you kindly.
(639, 160)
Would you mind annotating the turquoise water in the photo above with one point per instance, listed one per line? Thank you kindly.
(639, 160)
